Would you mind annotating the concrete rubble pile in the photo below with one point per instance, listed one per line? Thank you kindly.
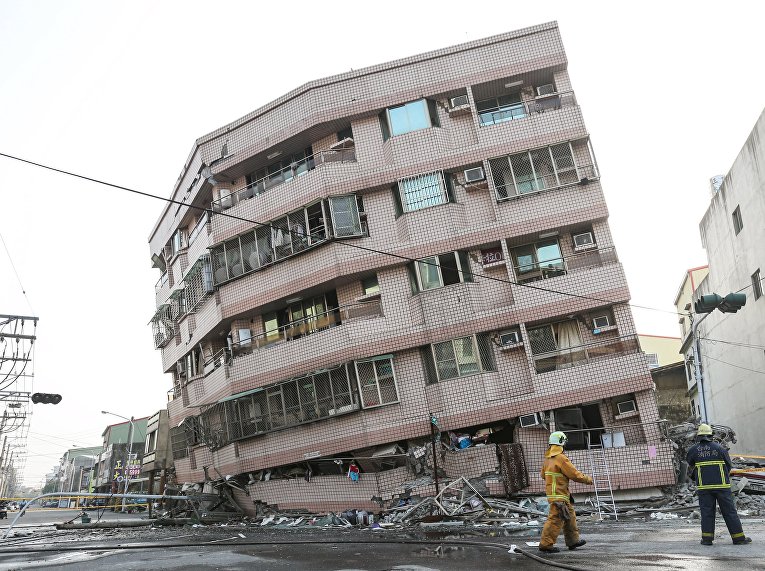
(465, 502)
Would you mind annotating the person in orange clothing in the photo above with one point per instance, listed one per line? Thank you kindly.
(557, 470)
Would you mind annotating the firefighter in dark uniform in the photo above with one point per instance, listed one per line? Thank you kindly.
(709, 464)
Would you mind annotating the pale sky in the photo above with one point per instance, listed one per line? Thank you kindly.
(120, 91)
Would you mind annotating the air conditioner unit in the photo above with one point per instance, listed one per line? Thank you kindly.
(458, 101)
(626, 406)
(180, 366)
(583, 240)
(547, 89)
(528, 420)
(510, 338)
(600, 321)
(474, 175)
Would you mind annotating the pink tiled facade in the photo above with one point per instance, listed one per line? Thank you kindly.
(426, 236)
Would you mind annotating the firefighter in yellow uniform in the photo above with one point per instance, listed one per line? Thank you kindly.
(557, 470)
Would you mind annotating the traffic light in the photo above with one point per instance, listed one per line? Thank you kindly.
(708, 303)
(732, 302)
(46, 398)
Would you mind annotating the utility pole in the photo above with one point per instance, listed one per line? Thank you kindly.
(706, 304)
(127, 466)
(698, 373)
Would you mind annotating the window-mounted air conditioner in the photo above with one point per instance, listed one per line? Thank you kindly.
(626, 406)
(474, 175)
(180, 366)
(510, 338)
(528, 420)
(600, 322)
(459, 101)
(583, 240)
(546, 89)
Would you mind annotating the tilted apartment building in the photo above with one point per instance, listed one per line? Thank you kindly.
(422, 237)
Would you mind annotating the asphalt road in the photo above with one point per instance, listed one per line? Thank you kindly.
(638, 546)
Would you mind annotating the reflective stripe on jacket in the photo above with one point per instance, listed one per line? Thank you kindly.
(556, 471)
(711, 465)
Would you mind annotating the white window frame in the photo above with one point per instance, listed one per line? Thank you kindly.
(603, 316)
(377, 381)
(423, 103)
(476, 353)
(442, 197)
(434, 262)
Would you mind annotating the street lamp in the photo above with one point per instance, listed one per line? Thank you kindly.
(129, 451)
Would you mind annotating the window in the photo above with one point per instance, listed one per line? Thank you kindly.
(575, 420)
(556, 345)
(301, 318)
(370, 285)
(456, 358)
(377, 382)
(459, 357)
(653, 360)
(281, 171)
(293, 233)
(439, 271)
(345, 134)
(409, 117)
(757, 285)
(500, 109)
(345, 215)
(422, 191)
(538, 169)
(197, 283)
(538, 261)
(738, 223)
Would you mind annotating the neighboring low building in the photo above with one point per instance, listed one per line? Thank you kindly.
(118, 461)
(660, 350)
(77, 468)
(158, 455)
(668, 372)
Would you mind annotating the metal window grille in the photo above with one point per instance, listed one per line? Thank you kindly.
(376, 381)
(541, 169)
(162, 326)
(423, 191)
(308, 398)
(197, 283)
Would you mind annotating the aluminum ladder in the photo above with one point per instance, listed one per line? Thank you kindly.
(601, 480)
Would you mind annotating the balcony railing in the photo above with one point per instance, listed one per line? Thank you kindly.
(543, 104)
(274, 179)
(309, 326)
(200, 226)
(162, 281)
(561, 266)
(587, 353)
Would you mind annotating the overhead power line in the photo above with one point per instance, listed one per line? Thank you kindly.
(344, 243)
(737, 344)
(733, 365)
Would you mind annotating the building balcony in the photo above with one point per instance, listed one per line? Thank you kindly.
(527, 109)
(563, 359)
(237, 202)
(543, 120)
(322, 337)
(546, 287)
